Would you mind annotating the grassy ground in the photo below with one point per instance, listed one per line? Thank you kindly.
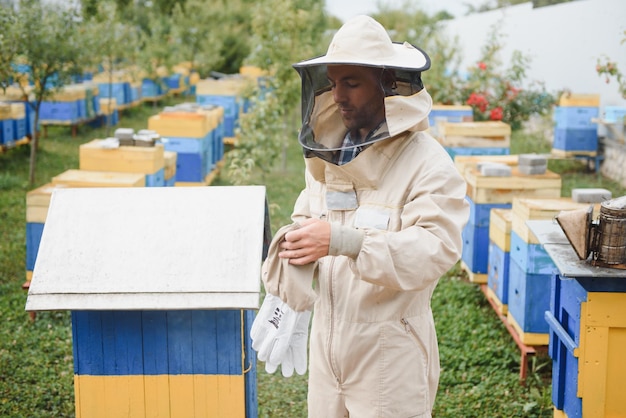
(480, 361)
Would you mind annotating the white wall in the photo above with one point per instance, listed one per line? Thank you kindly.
(563, 42)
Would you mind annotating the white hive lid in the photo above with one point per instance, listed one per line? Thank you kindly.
(153, 248)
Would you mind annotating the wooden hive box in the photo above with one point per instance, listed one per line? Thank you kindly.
(125, 159)
(463, 161)
(579, 100)
(85, 178)
(162, 284)
(525, 209)
(180, 124)
(486, 189)
(474, 134)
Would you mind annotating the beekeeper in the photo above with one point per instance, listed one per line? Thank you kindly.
(378, 223)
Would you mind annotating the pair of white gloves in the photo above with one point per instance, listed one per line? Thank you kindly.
(279, 335)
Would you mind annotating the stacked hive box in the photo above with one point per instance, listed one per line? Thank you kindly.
(192, 131)
(499, 258)
(14, 95)
(148, 161)
(120, 86)
(73, 104)
(531, 267)
(7, 136)
(448, 113)
(488, 192)
(226, 93)
(574, 131)
(475, 138)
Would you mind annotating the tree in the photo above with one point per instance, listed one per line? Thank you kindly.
(285, 32)
(112, 41)
(49, 44)
(9, 43)
(196, 32)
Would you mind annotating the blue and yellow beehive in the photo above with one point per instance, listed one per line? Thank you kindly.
(162, 284)
(531, 268)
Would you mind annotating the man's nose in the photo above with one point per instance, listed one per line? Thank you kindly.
(339, 95)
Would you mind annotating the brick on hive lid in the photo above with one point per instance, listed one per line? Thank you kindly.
(495, 170)
(126, 136)
(531, 170)
(591, 195)
(532, 159)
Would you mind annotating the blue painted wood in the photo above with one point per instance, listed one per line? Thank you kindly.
(154, 340)
(480, 212)
(454, 151)
(191, 167)
(565, 299)
(156, 179)
(34, 230)
(532, 258)
(575, 139)
(179, 342)
(498, 274)
(87, 344)
(158, 342)
(475, 251)
(529, 299)
(250, 366)
(188, 145)
(575, 117)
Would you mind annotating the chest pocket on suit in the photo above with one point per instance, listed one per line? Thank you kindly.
(371, 218)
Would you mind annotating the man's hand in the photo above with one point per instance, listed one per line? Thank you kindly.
(307, 243)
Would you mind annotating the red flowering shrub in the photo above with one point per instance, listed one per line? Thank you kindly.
(496, 94)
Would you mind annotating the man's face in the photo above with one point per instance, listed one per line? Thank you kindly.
(358, 93)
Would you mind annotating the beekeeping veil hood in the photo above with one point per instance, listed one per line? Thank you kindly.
(362, 41)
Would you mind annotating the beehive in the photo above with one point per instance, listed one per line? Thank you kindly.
(156, 334)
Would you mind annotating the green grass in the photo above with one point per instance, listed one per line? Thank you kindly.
(479, 360)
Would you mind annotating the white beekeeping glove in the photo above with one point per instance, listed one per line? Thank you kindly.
(296, 357)
(272, 330)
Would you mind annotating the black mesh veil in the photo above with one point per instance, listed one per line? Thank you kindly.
(322, 129)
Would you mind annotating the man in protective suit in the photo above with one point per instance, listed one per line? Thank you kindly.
(378, 223)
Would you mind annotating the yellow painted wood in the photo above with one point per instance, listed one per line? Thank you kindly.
(559, 414)
(582, 100)
(501, 307)
(486, 129)
(157, 395)
(568, 153)
(195, 125)
(464, 161)
(124, 396)
(222, 87)
(18, 110)
(5, 111)
(170, 164)
(125, 159)
(38, 202)
(87, 178)
(473, 141)
(525, 209)
(474, 277)
(137, 396)
(528, 338)
(107, 105)
(500, 228)
(487, 189)
(602, 370)
(89, 397)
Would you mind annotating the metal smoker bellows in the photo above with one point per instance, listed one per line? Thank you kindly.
(604, 239)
